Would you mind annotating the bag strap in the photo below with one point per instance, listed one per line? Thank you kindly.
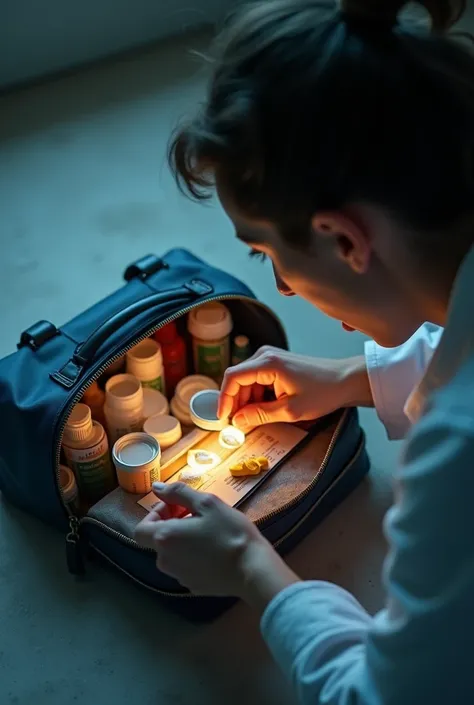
(167, 302)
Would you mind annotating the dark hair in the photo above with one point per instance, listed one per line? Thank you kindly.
(311, 106)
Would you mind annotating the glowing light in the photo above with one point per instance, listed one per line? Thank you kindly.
(202, 460)
(231, 437)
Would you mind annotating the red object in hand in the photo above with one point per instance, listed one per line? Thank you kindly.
(175, 359)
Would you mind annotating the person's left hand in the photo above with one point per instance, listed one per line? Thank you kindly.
(214, 551)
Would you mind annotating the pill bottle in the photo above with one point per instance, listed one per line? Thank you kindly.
(123, 405)
(69, 488)
(137, 459)
(210, 326)
(154, 402)
(87, 453)
(166, 429)
(240, 349)
(175, 358)
(145, 362)
(94, 397)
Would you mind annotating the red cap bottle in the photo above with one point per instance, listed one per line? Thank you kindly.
(175, 359)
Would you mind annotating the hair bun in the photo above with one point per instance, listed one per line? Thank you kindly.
(443, 13)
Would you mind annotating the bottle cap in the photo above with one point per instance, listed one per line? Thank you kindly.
(68, 483)
(189, 386)
(203, 408)
(154, 402)
(167, 334)
(166, 429)
(211, 321)
(180, 413)
(123, 392)
(145, 360)
(79, 424)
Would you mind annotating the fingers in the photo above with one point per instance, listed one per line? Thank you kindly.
(165, 512)
(259, 370)
(262, 413)
(179, 494)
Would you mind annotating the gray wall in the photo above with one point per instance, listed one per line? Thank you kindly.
(38, 37)
(44, 36)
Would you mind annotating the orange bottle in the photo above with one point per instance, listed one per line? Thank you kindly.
(94, 397)
(175, 359)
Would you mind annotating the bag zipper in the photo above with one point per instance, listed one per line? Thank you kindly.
(289, 533)
(73, 535)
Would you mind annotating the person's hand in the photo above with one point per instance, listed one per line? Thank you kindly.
(214, 551)
(305, 388)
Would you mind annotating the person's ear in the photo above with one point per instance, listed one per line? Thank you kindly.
(350, 241)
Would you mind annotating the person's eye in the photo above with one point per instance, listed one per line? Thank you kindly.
(260, 256)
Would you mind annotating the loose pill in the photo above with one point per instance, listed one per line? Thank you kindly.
(193, 478)
(252, 466)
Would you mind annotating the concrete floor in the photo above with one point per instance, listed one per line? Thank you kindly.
(84, 191)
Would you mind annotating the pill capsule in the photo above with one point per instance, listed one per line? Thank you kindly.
(252, 466)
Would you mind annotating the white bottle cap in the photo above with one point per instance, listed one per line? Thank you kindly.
(211, 321)
(154, 402)
(191, 385)
(145, 360)
(203, 408)
(123, 392)
(166, 429)
(79, 424)
(68, 483)
(180, 413)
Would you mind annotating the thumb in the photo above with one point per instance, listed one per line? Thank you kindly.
(262, 413)
(179, 494)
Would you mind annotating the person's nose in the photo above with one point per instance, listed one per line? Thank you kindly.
(283, 289)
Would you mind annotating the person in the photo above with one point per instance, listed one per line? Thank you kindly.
(340, 141)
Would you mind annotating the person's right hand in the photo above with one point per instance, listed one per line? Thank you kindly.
(305, 388)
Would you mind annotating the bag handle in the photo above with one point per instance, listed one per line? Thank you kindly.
(167, 301)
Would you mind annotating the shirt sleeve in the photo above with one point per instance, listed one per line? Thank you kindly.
(395, 372)
(419, 648)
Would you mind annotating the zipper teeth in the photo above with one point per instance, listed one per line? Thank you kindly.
(118, 355)
(262, 520)
(188, 595)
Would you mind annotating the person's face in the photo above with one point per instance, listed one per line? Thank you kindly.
(348, 269)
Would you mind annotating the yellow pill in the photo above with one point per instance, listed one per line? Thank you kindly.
(238, 470)
(252, 466)
(263, 462)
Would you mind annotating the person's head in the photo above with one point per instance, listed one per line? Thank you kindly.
(340, 140)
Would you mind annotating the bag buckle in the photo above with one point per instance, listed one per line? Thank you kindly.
(37, 335)
(144, 267)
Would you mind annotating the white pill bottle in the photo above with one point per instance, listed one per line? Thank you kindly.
(145, 362)
(210, 326)
(124, 407)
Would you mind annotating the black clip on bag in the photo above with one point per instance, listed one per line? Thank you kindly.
(47, 376)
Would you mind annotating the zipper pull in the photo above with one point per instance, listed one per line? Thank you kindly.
(74, 558)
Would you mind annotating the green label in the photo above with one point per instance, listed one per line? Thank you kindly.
(154, 384)
(211, 360)
(95, 476)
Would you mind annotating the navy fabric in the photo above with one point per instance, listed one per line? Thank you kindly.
(32, 405)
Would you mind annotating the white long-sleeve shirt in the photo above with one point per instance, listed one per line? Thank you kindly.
(419, 650)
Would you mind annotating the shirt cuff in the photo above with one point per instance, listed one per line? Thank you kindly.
(389, 389)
